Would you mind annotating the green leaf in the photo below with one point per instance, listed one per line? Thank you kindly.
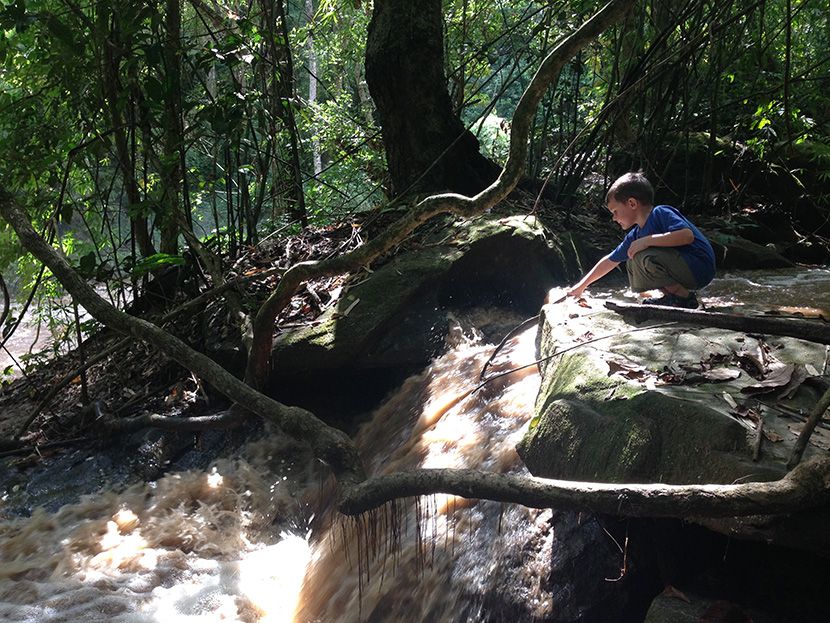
(87, 265)
(154, 262)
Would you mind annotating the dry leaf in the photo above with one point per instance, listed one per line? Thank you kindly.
(716, 375)
(746, 412)
(752, 359)
(799, 376)
(779, 377)
(627, 370)
(772, 435)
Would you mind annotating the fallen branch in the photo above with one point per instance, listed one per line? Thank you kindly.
(810, 330)
(226, 419)
(176, 423)
(808, 486)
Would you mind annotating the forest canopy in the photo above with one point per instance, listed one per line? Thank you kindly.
(132, 124)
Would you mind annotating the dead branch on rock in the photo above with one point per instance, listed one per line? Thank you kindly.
(810, 330)
(807, 486)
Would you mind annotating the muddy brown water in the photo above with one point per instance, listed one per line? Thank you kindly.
(202, 545)
(252, 537)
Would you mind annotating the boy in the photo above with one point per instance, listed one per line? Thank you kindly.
(662, 250)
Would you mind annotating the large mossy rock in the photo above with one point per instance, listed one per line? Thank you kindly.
(394, 320)
(603, 414)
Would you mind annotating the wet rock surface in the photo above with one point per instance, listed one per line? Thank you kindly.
(666, 402)
(682, 404)
(391, 322)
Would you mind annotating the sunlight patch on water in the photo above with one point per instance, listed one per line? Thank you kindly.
(272, 577)
(193, 547)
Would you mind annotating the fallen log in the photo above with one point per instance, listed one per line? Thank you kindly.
(810, 330)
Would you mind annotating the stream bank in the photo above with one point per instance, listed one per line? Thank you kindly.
(556, 566)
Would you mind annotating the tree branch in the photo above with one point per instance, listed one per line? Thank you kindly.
(328, 444)
(807, 486)
(810, 330)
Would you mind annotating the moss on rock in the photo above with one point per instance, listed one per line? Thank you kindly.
(592, 426)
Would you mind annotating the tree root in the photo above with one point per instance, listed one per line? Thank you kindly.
(447, 203)
(329, 444)
(807, 486)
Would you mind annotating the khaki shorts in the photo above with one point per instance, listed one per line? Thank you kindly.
(657, 267)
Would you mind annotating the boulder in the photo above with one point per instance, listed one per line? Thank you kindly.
(734, 252)
(670, 404)
(393, 320)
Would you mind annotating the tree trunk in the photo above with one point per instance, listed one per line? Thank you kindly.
(113, 50)
(312, 86)
(427, 147)
(171, 169)
(285, 88)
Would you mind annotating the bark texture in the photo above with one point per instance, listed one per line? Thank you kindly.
(428, 148)
(807, 486)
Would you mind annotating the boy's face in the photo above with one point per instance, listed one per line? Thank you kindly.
(623, 213)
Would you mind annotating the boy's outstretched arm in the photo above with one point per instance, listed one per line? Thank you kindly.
(600, 269)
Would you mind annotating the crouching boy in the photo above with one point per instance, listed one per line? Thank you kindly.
(662, 249)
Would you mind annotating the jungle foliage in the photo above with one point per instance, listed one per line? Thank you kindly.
(139, 134)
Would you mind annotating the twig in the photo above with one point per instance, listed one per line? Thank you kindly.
(807, 431)
(67, 379)
(759, 436)
(510, 334)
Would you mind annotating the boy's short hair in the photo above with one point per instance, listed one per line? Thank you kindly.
(631, 185)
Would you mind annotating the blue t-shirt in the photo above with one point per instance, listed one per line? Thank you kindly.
(699, 255)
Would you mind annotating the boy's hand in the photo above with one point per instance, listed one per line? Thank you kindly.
(640, 244)
(575, 291)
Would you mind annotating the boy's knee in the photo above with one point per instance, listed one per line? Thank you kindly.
(648, 263)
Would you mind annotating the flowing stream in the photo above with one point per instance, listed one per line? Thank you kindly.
(236, 542)
(254, 538)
